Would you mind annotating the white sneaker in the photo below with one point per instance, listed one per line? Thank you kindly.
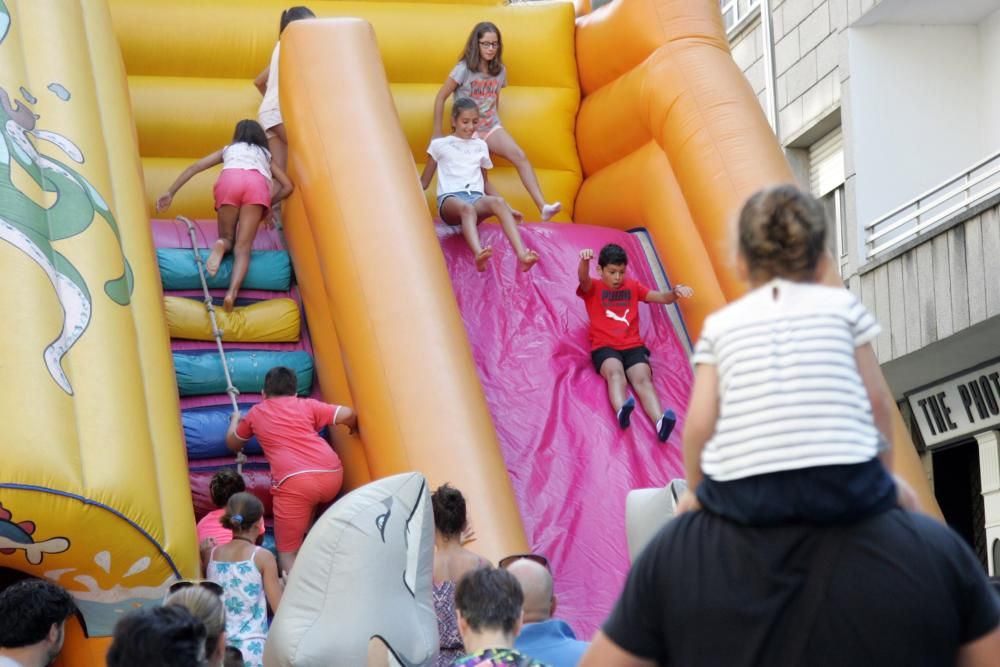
(550, 210)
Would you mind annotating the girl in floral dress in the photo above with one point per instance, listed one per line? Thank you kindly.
(248, 575)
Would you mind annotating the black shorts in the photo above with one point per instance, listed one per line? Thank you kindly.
(629, 357)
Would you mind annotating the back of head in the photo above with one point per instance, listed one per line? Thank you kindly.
(280, 381)
(158, 637)
(449, 510)
(612, 253)
(462, 104)
(490, 599)
(225, 483)
(782, 234)
(296, 13)
(536, 585)
(249, 131)
(207, 607)
(29, 609)
(242, 511)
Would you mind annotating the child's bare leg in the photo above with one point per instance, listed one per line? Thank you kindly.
(286, 559)
(614, 374)
(457, 212)
(640, 376)
(227, 230)
(246, 230)
(277, 143)
(488, 206)
(501, 143)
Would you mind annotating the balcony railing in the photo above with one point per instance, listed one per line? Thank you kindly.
(735, 12)
(921, 215)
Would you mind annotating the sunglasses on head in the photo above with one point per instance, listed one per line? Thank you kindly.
(208, 585)
(537, 558)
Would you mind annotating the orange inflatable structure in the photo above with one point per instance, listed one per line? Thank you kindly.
(634, 115)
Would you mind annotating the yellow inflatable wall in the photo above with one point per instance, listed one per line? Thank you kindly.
(94, 483)
(186, 104)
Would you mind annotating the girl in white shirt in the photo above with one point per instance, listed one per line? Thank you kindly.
(465, 195)
(242, 198)
(269, 113)
(790, 418)
(479, 75)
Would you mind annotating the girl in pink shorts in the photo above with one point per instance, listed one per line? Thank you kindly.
(242, 197)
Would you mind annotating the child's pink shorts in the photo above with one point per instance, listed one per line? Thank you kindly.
(236, 187)
(296, 499)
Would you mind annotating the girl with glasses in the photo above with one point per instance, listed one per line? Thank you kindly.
(479, 75)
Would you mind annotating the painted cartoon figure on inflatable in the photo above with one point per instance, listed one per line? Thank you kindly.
(32, 228)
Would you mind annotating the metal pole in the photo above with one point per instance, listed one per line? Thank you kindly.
(770, 83)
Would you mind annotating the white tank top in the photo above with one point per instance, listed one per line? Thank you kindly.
(247, 156)
(269, 112)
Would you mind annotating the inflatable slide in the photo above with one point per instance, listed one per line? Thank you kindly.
(634, 116)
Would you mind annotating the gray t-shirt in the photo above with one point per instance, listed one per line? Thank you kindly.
(483, 89)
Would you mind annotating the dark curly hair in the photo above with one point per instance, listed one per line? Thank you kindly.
(449, 510)
(225, 483)
(29, 609)
(782, 233)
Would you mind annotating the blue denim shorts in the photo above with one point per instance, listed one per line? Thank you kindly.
(468, 197)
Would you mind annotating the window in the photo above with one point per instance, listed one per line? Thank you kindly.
(735, 11)
(826, 180)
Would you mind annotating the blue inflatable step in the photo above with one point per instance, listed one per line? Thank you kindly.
(205, 432)
(200, 373)
(269, 270)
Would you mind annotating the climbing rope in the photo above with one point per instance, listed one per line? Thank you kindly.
(216, 331)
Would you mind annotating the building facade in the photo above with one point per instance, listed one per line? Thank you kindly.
(889, 111)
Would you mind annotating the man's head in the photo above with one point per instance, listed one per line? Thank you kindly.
(536, 584)
(32, 615)
(158, 637)
(611, 264)
(489, 605)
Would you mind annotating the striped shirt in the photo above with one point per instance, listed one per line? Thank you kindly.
(790, 394)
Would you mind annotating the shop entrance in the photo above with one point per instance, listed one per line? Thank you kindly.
(958, 490)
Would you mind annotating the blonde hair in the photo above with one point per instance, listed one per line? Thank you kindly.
(207, 607)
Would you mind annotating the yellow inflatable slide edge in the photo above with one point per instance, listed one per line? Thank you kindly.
(94, 484)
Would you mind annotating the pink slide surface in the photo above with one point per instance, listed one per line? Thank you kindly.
(570, 464)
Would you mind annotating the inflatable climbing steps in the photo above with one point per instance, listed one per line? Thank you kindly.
(266, 329)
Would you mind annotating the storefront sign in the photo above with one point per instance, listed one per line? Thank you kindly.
(958, 407)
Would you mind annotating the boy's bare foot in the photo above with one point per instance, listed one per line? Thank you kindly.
(549, 210)
(528, 259)
(483, 257)
(215, 257)
(229, 302)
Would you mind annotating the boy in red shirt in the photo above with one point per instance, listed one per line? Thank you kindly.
(305, 471)
(617, 350)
